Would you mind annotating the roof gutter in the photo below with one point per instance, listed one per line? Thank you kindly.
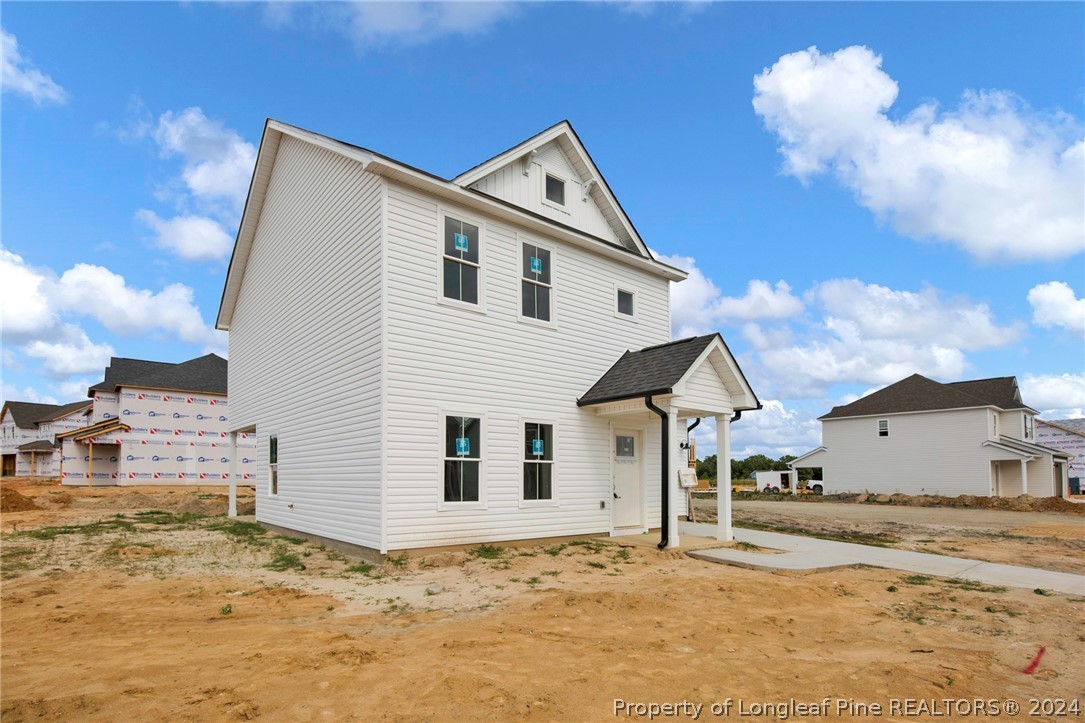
(665, 465)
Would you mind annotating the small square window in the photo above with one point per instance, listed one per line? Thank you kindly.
(624, 446)
(555, 190)
(883, 427)
(625, 302)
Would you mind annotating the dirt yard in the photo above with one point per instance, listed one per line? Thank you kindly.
(145, 603)
(1047, 540)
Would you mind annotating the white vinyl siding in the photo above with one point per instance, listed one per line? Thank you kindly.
(441, 358)
(305, 344)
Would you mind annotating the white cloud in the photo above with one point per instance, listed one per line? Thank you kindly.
(873, 335)
(699, 307)
(773, 430)
(197, 238)
(1055, 304)
(97, 292)
(376, 24)
(1056, 396)
(27, 394)
(71, 352)
(26, 310)
(18, 75)
(74, 389)
(41, 307)
(924, 316)
(218, 162)
(991, 176)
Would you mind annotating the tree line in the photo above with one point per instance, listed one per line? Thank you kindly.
(744, 468)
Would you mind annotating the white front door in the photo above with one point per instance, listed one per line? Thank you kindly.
(627, 479)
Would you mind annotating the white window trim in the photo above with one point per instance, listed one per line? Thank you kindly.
(1028, 424)
(614, 301)
(521, 239)
(442, 211)
(879, 429)
(442, 505)
(562, 207)
(554, 500)
(273, 469)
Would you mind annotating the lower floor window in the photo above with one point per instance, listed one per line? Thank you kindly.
(538, 461)
(463, 452)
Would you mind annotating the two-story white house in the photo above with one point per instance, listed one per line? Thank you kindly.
(161, 423)
(922, 437)
(430, 361)
(28, 430)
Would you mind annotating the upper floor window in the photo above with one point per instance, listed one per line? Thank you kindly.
(461, 261)
(994, 424)
(555, 190)
(883, 427)
(462, 458)
(536, 289)
(626, 303)
(1028, 427)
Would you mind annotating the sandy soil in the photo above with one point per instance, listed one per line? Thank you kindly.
(173, 616)
(1047, 540)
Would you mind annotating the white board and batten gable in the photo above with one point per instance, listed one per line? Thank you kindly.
(519, 176)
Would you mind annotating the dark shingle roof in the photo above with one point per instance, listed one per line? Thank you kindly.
(205, 374)
(999, 391)
(917, 393)
(38, 445)
(122, 370)
(28, 414)
(1072, 425)
(654, 370)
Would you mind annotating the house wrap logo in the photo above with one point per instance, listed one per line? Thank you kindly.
(183, 459)
(127, 412)
(133, 458)
(178, 415)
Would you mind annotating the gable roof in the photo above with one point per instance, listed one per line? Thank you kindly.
(30, 414)
(999, 391)
(917, 393)
(206, 374)
(38, 445)
(563, 134)
(372, 162)
(656, 370)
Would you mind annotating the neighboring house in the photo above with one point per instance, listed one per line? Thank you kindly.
(1068, 436)
(157, 423)
(28, 445)
(431, 362)
(921, 437)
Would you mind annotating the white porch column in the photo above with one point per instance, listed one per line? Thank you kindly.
(674, 493)
(232, 511)
(1024, 476)
(724, 532)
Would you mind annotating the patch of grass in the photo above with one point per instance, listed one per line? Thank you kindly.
(292, 540)
(14, 560)
(1041, 591)
(116, 524)
(226, 609)
(879, 539)
(916, 580)
(622, 554)
(974, 586)
(284, 560)
(892, 588)
(161, 517)
(551, 573)
(747, 546)
(596, 565)
(589, 546)
(250, 533)
(555, 550)
(533, 582)
(399, 561)
(363, 569)
(487, 552)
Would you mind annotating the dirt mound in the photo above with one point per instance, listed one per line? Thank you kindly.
(1022, 503)
(12, 501)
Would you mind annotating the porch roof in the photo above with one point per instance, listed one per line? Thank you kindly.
(659, 370)
(1024, 450)
(38, 445)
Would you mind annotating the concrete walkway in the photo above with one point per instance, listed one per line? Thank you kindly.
(809, 553)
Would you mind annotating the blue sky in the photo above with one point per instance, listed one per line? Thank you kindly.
(861, 191)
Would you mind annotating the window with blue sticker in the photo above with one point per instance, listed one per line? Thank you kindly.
(462, 454)
(536, 288)
(538, 461)
(461, 263)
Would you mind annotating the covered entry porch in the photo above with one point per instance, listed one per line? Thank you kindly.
(650, 398)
